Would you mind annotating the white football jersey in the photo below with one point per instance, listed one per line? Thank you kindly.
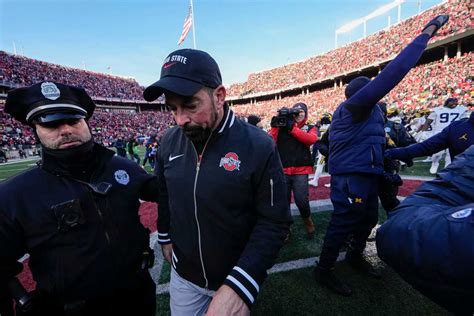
(442, 116)
(417, 123)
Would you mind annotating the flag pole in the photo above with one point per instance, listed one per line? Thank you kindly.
(194, 28)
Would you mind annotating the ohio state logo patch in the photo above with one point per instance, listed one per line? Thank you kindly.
(230, 162)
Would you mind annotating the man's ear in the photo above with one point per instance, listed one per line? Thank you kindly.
(220, 94)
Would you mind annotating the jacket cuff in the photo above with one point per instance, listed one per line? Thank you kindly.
(164, 238)
(243, 284)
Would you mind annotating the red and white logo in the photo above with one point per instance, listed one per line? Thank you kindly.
(230, 162)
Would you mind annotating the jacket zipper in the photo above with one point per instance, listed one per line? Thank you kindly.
(195, 208)
(271, 192)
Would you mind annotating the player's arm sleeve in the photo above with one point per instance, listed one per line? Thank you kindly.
(429, 147)
(307, 138)
(368, 96)
(268, 234)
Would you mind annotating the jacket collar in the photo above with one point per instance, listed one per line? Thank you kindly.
(99, 155)
(227, 121)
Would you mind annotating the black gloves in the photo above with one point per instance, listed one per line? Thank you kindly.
(393, 178)
(438, 21)
(398, 153)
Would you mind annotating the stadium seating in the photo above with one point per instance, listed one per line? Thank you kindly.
(22, 71)
(425, 86)
(372, 49)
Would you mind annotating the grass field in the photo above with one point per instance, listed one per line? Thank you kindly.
(12, 168)
(8, 170)
(295, 292)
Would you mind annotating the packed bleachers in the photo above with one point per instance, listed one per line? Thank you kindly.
(22, 71)
(425, 86)
(12, 133)
(106, 127)
(367, 51)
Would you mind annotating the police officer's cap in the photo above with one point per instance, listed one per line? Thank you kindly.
(47, 102)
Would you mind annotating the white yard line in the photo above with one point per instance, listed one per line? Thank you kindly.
(277, 268)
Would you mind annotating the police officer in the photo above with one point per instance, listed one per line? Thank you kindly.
(76, 214)
(356, 141)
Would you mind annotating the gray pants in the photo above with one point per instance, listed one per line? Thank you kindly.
(298, 183)
(186, 298)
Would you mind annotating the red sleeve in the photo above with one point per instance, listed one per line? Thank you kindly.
(274, 133)
(308, 138)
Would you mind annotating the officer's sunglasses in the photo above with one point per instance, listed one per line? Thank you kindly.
(56, 124)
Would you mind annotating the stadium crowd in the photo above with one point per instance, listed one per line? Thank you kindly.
(23, 71)
(425, 86)
(367, 51)
(106, 127)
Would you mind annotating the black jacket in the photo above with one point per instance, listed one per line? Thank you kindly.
(81, 244)
(226, 214)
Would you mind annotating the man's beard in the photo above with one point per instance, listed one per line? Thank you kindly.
(198, 133)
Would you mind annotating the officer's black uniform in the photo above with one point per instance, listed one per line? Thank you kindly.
(76, 214)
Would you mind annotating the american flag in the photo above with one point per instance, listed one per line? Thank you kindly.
(188, 22)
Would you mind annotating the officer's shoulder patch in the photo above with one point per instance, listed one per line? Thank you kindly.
(122, 177)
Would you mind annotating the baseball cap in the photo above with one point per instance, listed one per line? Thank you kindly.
(47, 102)
(185, 72)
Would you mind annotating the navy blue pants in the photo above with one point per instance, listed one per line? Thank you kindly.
(355, 201)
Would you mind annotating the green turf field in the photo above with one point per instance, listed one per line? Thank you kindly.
(8, 170)
(295, 292)
(12, 168)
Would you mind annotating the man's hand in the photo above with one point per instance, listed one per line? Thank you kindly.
(227, 302)
(434, 25)
(167, 251)
(397, 153)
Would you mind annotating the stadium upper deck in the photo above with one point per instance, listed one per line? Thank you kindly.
(371, 51)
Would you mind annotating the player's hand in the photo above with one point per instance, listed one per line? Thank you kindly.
(434, 25)
(167, 250)
(227, 302)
